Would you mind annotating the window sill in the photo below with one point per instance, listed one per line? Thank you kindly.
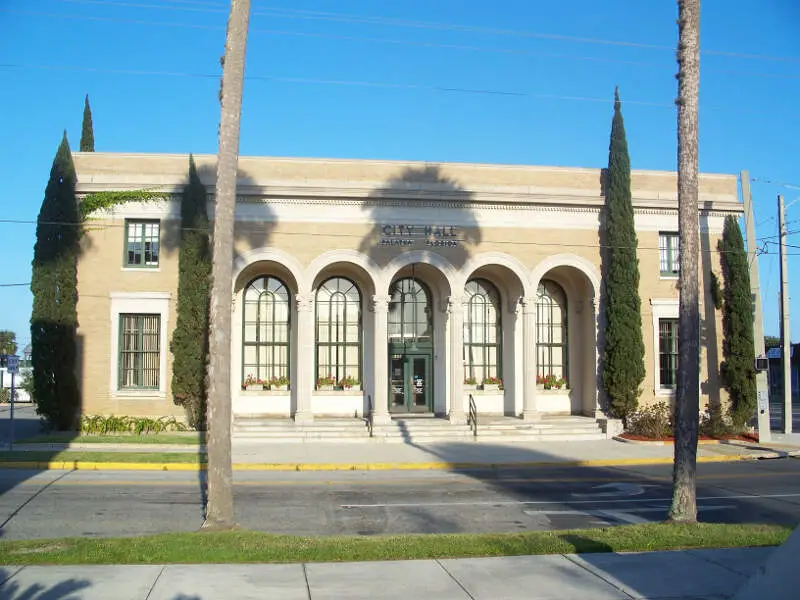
(665, 393)
(138, 394)
(265, 392)
(142, 269)
(337, 393)
(669, 276)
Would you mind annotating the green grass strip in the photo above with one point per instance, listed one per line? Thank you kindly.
(253, 547)
(153, 438)
(88, 456)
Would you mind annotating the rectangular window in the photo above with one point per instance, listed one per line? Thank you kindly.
(668, 353)
(669, 254)
(141, 243)
(139, 351)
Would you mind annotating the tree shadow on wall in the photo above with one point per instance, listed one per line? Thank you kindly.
(422, 208)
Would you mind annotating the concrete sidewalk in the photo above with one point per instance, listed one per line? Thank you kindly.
(653, 575)
(255, 455)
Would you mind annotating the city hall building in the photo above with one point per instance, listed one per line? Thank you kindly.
(401, 287)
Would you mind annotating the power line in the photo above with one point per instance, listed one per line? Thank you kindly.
(791, 186)
(14, 284)
(209, 7)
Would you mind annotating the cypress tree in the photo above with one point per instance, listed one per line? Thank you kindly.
(739, 356)
(55, 295)
(623, 356)
(189, 343)
(87, 133)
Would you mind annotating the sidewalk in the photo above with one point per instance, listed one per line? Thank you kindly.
(654, 575)
(254, 455)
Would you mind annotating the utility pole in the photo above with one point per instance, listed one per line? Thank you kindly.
(762, 385)
(786, 340)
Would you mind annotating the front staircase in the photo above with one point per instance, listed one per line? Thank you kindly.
(416, 430)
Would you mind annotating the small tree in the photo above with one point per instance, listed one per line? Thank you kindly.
(87, 132)
(8, 342)
(54, 286)
(189, 344)
(623, 356)
(738, 367)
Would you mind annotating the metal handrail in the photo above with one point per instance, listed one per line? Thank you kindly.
(370, 411)
(472, 418)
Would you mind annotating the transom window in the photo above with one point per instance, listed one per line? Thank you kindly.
(482, 332)
(338, 306)
(139, 351)
(668, 254)
(668, 353)
(142, 243)
(551, 330)
(409, 312)
(266, 329)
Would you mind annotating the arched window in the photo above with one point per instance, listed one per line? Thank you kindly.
(551, 330)
(266, 329)
(409, 312)
(482, 332)
(339, 332)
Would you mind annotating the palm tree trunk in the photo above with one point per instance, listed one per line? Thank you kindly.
(687, 401)
(219, 505)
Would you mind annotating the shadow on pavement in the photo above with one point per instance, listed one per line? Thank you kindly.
(64, 590)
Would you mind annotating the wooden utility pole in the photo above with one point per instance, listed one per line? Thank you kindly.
(762, 385)
(786, 340)
(219, 507)
(687, 400)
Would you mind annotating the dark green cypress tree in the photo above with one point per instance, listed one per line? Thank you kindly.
(623, 356)
(55, 295)
(87, 133)
(189, 344)
(739, 356)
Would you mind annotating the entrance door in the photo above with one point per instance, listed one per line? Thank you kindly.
(410, 383)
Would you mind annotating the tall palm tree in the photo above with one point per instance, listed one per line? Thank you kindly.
(687, 401)
(219, 504)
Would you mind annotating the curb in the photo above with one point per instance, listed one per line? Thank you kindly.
(664, 443)
(78, 465)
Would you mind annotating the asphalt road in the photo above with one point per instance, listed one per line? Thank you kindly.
(84, 503)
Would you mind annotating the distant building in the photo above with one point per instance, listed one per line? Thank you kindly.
(400, 284)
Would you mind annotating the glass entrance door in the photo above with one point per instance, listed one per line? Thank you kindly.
(410, 383)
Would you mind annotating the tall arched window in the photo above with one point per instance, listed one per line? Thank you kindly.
(482, 332)
(265, 345)
(339, 331)
(551, 330)
(409, 312)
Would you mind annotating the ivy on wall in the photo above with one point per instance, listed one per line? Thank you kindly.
(106, 200)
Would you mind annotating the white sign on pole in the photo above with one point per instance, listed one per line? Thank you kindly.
(13, 364)
(763, 400)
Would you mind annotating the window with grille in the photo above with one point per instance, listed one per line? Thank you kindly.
(139, 351)
(482, 332)
(551, 331)
(142, 243)
(668, 353)
(338, 306)
(668, 254)
(409, 312)
(266, 323)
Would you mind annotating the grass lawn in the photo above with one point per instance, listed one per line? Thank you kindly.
(251, 547)
(42, 456)
(64, 437)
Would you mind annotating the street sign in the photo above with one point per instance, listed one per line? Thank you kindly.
(763, 400)
(13, 364)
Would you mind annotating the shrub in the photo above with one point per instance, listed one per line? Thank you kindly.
(654, 421)
(103, 425)
(5, 394)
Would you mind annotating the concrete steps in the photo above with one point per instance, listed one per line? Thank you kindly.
(413, 429)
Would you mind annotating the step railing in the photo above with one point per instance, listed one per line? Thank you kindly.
(370, 411)
(472, 417)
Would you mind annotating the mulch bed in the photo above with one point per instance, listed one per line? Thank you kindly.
(745, 437)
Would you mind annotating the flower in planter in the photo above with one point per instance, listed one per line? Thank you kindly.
(326, 380)
(492, 381)
(470, 381)
(278, 381)
(348, 382)
(552, 382)
(252, 380)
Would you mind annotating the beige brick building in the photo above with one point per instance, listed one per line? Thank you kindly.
(403, 284)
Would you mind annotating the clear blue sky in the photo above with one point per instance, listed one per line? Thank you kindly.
(309, 63)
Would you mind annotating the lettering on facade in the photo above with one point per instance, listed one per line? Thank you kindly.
(406, 236)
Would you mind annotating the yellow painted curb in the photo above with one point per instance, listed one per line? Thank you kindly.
(78, 465)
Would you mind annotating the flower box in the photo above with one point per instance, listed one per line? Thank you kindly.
(325, 387)
(254, 387)
(356, 387)
(491, 387)
(470, 387)
(281, 387)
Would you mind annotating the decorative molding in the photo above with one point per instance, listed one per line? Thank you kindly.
(305, 302)
(380, 303)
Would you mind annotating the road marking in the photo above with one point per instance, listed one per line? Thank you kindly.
(542, 502)
(624, 516)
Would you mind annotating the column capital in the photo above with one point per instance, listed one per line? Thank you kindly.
(456, 304)
(304, 302)
(528, 305)
(380, 303)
